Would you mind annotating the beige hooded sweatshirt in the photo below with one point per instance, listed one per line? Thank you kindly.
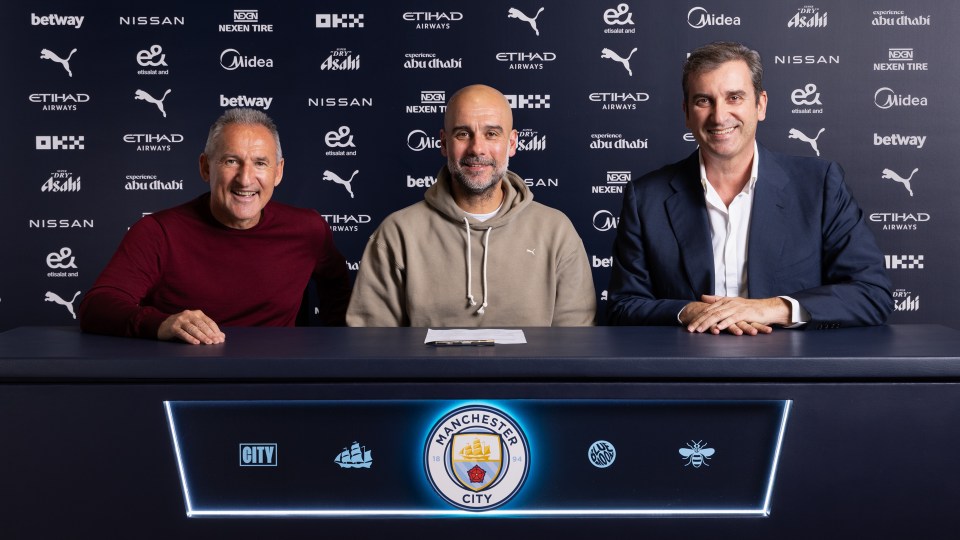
(430, 264)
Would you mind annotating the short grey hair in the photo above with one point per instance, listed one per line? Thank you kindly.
(709, 57)
(241, 116)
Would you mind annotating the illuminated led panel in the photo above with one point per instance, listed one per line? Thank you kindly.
(658, 458)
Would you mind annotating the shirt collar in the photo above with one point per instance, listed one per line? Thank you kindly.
(754, 167)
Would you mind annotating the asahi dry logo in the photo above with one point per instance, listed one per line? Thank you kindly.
(900, 59)
(341, 60)
(526, 60)
(529, 140)
(904, 300)
(616, 141)
(61, 181)
(59, 102)
(808, 17)
(430, 61)
(433, 20)
(619, 20)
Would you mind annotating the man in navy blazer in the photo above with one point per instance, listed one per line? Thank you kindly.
(737, 238)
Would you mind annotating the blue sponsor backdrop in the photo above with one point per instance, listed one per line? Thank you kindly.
(108, 104)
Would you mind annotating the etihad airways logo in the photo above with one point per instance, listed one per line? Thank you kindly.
(526, 60)
(153, 142)
(619, 101)
(699, 17)
(59, 102)
(433, 20)
(56, 20)
(900, 221)
(231, 59)
(886, 98)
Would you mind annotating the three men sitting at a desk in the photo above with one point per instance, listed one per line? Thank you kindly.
(735, 238)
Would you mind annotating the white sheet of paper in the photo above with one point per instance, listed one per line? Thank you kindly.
(500, 336)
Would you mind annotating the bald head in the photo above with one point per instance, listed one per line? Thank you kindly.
(478, 96)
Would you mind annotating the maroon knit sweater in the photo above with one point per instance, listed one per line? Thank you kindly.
(182, 258)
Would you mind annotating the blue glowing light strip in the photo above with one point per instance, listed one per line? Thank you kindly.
(776, 456)
(176, 449)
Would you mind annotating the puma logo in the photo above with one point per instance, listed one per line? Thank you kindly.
(330, 175)
(47, 54)
(532, 252)
(515, 13)
(55, 298)
(890, 175)
(607, 53)
(797, 134)
(142, 95)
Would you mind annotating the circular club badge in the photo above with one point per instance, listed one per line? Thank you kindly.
(477, 457)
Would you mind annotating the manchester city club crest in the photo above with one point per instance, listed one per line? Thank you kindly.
(477, 457)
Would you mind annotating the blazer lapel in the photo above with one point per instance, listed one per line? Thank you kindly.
(767, 230)
(687, 212)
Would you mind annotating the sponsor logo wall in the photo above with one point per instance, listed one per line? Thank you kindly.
(110, 106)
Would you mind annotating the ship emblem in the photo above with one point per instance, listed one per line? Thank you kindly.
(354, 457)
(477, 457)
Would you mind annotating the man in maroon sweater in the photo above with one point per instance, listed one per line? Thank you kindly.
(230, 257)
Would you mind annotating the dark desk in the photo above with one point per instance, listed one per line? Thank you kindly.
(868, 449)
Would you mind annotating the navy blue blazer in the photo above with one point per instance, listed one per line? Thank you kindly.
(808, 240)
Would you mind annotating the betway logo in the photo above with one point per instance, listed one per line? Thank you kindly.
(244, 101)
(56, 20)
(899, 140)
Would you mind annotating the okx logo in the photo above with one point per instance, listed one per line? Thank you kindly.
(477, 457)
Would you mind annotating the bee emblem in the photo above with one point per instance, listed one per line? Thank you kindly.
(696, 454)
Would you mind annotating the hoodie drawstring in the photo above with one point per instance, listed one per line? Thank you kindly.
(486, 244)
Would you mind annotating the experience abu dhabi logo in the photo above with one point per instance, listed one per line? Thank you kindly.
(477, 457)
